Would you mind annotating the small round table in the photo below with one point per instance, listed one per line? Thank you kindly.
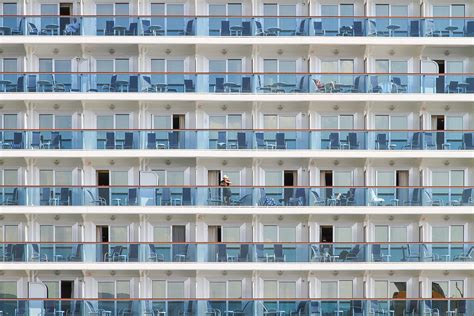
(273, 31)
(52, 28)
(155, 29)
(236, 30)
(451, 29)
(392, 28)
(159, 87)
(4, 84)
(121, 84)
(228, 86)
(119, 30)
(42, 84)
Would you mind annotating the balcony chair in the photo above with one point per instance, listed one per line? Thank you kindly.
(109, 28)
(165, 196)
(189, 28)
(244, 253)
(317, 201)
(334, 142)
(469, 29)
(21, 309)
(278, 253)
(429, 142)
(95, 201)
(246, 85)
(46, 196)
(272, 312)
(211, 311)
(13, 199)
(318, 28)
(33, 30)
(357, 28)
(410, 254)
(31, 83)
(398, 85)
(180, 252)
(352, 255)
(116, 253)
(132, 29)
(280, 141)
(453, 87)
(50, 309)
(17, 141)
(411, 309)
(18, 87)
(221, 255)
(76, 254)
(219, 86)
(374, 81)
(260, 253)
(299, 199)
(133, 83)
(466, 198)
(301, 31)
(173, 140)
(132, 196)
(146, 27)
(415, 28)
(64, 196)
(374, 199)
(36, 254)
(148, 86)
(128, 141)
(470, 87)
(465, 256)
(241, 140)
(261, 87)
(415, 198)
(241, 201)
(428, 310)
(92, 311)
(7, 254)
(225, 28)
(133, 253)
(151, 141)
(154, 255)
(300, 309)
(35, 140)
(415, 142)
(259, 29)
(316, 254)
(261, 143)
(189, 86)
(352, 141)
(381, 142)
(109, 140)
(187, 198)
(429, 201)
(55, 140)
(467, 142)
(246, 28)
(428, 255)
(300, 88)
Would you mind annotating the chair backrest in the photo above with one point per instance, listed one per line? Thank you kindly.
(397, 81)
(133, 84)
(132, 29)
(316, 196)
(246, 29)
(187, 196)
(113, 80)
(55, 139)
(244, 251)
(241, 140)
(466, 196)
(376, 251)
(133, 253)
(470, 27)
(414, 28)
(382, 140)
(357, 27)
(46, 194)
(301, 29)
(453, 85)
(467, 140)
(372, 194)
(35, 139)
(146, 24)
(132, 196)
(246, 85)
(166, 195)
(318, 27)
(18, 139)
(189, 27)
(188, 85)
(20, 84)
(151, 141)
(128, 142)
(32, 27)
(352, 138)
(225, 28)
(90, 306)
(259, 249)
(259, 139)
(301, 84)
(147, 79)
(259, 27)
(278, 249)
(334, 140)
(219, 84)
(173, 140)
(110, 140)
(221, 137)
(374, 81)
(109, 25)
(280, 140)
(415, 198)
(64, 195)
(31, 83)
(221, 251)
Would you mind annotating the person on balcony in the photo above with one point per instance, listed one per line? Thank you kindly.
(226, 192)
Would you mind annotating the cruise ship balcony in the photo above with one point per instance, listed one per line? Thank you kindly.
(238, 139)
(237, 83)
(255, 196)
(239, 306)
(235, 252)
(235, 25)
